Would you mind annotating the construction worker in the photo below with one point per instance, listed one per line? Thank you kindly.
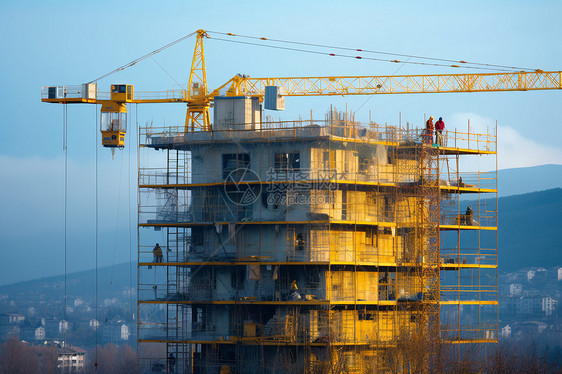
(428, 136)
(439, 127)
(469, 216)
(157, 253)
(171, 363)
(294, 295)
(300, 242)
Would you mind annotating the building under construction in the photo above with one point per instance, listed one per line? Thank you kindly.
(318, 245)
(314, 246)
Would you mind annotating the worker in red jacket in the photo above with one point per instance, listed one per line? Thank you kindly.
(439, 127)
(428, 136)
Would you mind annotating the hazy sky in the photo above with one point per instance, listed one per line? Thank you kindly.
(71, 42)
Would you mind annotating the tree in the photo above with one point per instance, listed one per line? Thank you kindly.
(127, 360)
(48, 359)
(112, 359)
(18, 358)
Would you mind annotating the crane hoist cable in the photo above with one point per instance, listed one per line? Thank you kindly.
(374, 52)
(65, 148)
(137, 60)
(96, 244)
(439, 61)
(129, 217)
(117, 221)
(360, 57)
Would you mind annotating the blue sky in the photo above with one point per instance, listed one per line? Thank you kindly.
(70, 42)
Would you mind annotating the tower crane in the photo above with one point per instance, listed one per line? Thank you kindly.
(199, 99)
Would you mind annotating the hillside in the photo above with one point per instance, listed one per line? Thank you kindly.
(529, 230)
(530, 179)
(111, 281)
(530, 233)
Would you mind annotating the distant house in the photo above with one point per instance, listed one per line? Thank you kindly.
(94, 324)
(115, 332)
(537, 274)
(125, 332)
(548, 305)
(506, 331)
(515, 288)
(63, 326)
(10, 325)
(128, 292)
(11, 318)
(40, 333)
(71, 359)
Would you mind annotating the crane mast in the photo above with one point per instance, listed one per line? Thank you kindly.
(198, 106)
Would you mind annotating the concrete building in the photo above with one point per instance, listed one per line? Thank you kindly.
(10, 325)
(71, 359)
(63, 326)
(287, 246)
(40, 333)
(506, 331)
(125, 332)
(116, 332)
(515, 289)
(548, 305)
(94, 324)
(11, 318)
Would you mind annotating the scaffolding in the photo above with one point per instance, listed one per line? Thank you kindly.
(310, 245)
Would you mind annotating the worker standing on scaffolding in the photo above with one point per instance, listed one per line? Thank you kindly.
(469, 216)
(428, 136)
(439, 127)
(171, 363)
(157, 253)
